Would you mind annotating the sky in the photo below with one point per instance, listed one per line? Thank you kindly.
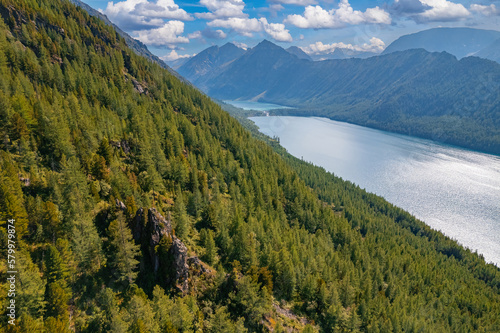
(181, 28)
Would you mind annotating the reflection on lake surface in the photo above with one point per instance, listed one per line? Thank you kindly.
(453, 190)
(249, 105)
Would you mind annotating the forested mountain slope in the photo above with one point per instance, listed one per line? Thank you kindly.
(491, 52)
(210, 59)
(140, 206)
(134, 44)
(461, 42)
(415, 92)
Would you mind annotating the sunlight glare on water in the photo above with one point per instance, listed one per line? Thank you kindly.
(453, 190)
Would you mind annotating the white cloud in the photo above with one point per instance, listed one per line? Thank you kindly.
(276, 30)
(222, 9)
(219, 34)
(296, 2)
(168, 35)
(143, 14)
(316, 17)
(195, 35)
(376, 45)
(174, 56)
(208, 33)
(248, 26)
(274, 9)
(241, 45)
(242, 25)
(485, 10)
(229, 14)
(441, 11)
(166, 9)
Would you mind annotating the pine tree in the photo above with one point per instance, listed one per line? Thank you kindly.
(181, 218)
(56, 270)
(99, 169)
(105, 150)
(210, 247)
(11, 196)
(57, 298)
(124, 252)
(31, 288)
(51, 220)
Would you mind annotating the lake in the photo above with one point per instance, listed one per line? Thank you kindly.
(258, 106)
(453, 190)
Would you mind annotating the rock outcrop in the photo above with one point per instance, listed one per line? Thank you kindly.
(137, 225)
(180, 265)
(150, 232)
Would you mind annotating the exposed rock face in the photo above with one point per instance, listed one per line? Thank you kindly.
(139, 87)
(156, 228)
(120, 205)
(198, 266)
(123, 144)
(180, 267)
(157, 225)
(138, 225)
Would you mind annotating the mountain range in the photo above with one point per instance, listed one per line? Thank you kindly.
(134, 203)
(428, 94)
(461, 42)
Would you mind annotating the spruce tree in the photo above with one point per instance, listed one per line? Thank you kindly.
(181, 218)
(124, 252)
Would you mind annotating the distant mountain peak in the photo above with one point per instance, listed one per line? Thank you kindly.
(230, 45)
(298, 52)
(267, 44)
(209, 59)
(461, 42)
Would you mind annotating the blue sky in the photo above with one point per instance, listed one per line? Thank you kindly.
(178, 28)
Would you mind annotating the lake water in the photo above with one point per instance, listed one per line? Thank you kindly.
(453, 190)
(249, 105)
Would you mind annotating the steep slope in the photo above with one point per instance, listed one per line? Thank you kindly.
(298, 53)
(250, 76)
(140, 206)
(134, 44)
(491, 52)
(176, 64)
(461, 42)
(209, 60)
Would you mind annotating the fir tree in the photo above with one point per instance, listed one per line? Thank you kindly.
(124, 252)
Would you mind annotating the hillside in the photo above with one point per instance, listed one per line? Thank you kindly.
(137, 46)
(461, 42)
(415, 92)
(209, 60)
(141, 206)
(298, 53)
(491, 52)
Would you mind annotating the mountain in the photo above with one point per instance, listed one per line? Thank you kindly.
(208, 60)
(296, 51)
(259, 67)
(461, 42)
(136, 204)
(432, 95)
(343, 53)
(491, 52)
(137, 46)
(176, 64)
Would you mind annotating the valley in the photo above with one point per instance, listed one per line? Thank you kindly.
(452, 190)
(415, 92)
(141, 205)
